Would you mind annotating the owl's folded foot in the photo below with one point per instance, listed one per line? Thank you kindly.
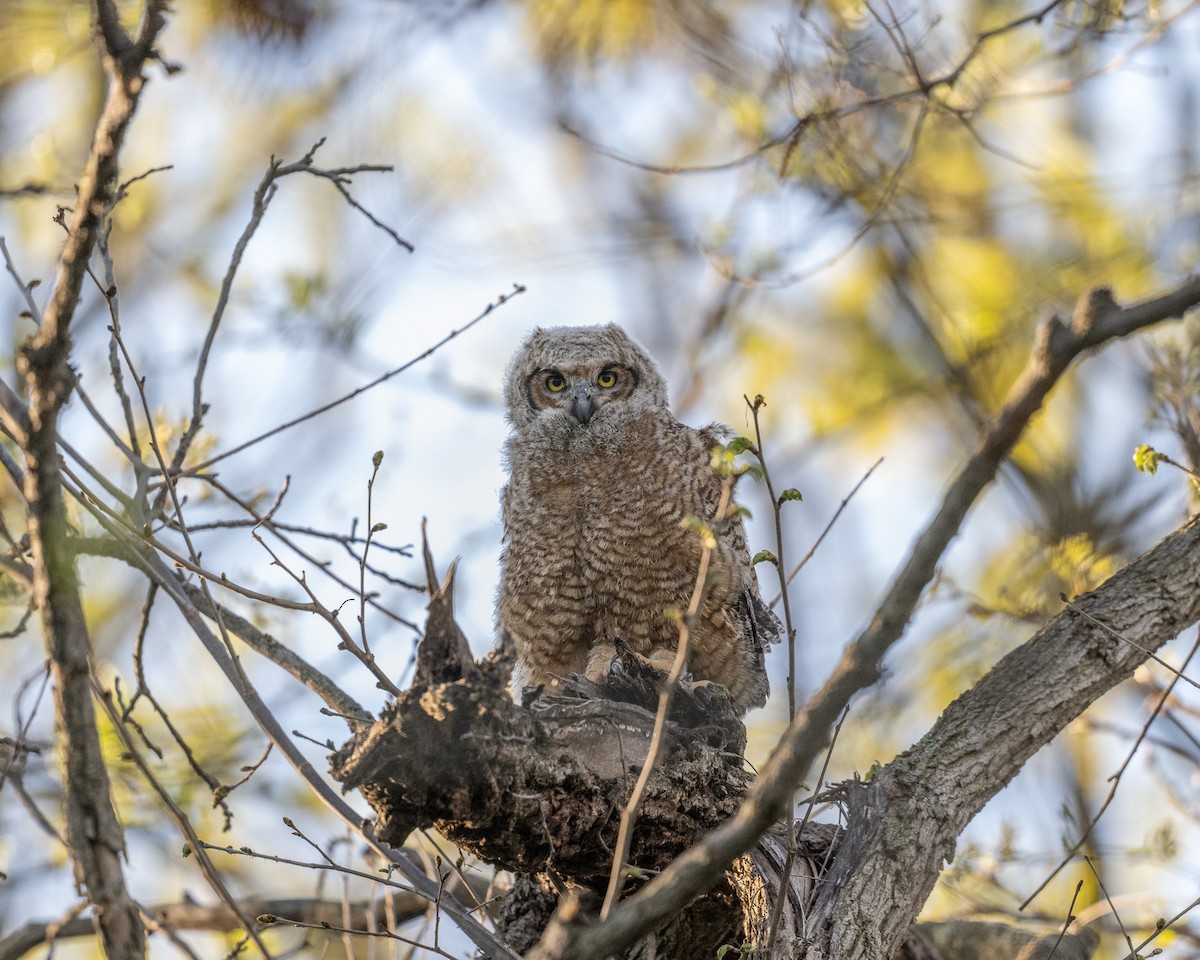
(704, 707)
(618, 659)
(622, 673)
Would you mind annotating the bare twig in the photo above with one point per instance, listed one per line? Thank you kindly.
(876, 212)
(950, 78)
(346, 642)
(219, 790)
(30, 188)
(498, 302)
(629, 813)
(23, 724)
(263, 195)
(1111, 906)
(1115, 779)
(779, 563)
(1067, 923)
(14, 754)
(789, 138)
(272, 920)
(325, 864)
(219, 917)
(17, 777)
(132, 449)
(345, 540)
(1163, 458)
(35, 314)
(340, 702)
(180, 819)
(277, 530)
(829, 526)
(376, 461)
(14, 417)
(1177, 673)
(1136, 952)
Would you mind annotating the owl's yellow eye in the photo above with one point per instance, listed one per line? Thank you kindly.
(607, 379)
(556, 383)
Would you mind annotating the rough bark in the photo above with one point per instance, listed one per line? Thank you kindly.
(540, 789)
(902, 826)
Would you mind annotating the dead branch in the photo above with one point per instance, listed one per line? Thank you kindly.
(541, 788)
(532, 790)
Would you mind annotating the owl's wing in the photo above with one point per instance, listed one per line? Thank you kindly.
(764, 628)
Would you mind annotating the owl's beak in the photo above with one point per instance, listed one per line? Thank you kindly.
(583, 407)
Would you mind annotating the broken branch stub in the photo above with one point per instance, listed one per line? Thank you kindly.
(540, 787)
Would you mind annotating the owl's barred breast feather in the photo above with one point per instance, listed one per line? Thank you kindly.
(601, 478)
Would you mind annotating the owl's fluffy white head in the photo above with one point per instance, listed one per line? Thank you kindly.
(570, 348)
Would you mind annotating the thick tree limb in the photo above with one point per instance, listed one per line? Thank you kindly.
(1097, 319)
(904, 823)
(94, 834)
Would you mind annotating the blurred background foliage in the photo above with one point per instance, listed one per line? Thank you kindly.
(859, 209)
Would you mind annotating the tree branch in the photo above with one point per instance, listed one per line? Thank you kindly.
(904, 823)
(94, 834)
(181, 821)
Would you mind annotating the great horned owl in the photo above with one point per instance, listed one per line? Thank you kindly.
(601, 478)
